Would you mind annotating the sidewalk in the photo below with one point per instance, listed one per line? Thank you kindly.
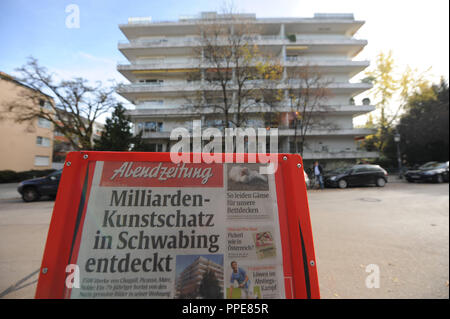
(9, 191)
(394, 178)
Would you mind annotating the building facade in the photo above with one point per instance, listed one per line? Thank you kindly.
(24, 146)
(161, 56)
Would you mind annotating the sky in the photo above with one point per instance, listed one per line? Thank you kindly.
(416, 31)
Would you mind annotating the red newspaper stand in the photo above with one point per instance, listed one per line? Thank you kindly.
(272, 240)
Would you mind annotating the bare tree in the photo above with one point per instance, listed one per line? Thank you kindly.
(308, 91)
(269, 94)
(228, 68)
(74, 108)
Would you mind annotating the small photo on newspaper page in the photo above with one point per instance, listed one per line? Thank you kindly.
(246, 177)
(249, 193)
(251, 242)
(199, 277)
(245, 280)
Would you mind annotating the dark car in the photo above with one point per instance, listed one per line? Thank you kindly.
(429, 172)
(32, 189)
(356, 175)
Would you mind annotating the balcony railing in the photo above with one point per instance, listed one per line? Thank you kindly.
(258, 39)
(284, 133)
(177, 110)
(343, 154)
(327, 132)
(157, 64)
(199, 85)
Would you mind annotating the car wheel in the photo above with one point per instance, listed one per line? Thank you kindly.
(30, 194)
(342, 183)
(439, 179)
(381, 182)
(410, 180)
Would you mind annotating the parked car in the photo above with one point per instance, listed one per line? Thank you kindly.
(429, 172)
(32, 189)
(356, 175)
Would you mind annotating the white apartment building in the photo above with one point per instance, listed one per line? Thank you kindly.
(161, 55)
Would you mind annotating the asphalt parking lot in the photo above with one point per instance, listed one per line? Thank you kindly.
(402, 228)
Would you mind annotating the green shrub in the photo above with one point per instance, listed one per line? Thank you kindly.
(291, 37)
(9, 176)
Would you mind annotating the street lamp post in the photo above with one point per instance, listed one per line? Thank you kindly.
(399, 157)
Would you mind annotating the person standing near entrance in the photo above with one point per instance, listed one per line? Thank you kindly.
(318, 174)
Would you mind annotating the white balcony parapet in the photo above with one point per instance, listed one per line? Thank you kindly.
(332, 16)
(291, 61)
(329, 132)
(156, 135)
(339, 155)
(193, 86)
(285, 133)
(260, 40)
(214, 16)
(188, 111)
(139, 20)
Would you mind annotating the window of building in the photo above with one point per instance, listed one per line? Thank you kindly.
(56, 132)
(291, 57)
(271, 120)
(155, 147)
(151, 103)
(41, 161)
(153, 126)
(42, 141)
(292, 147)
(214, 123)
(44, 123)
(299, 124)
(151, 81)
(45, 104)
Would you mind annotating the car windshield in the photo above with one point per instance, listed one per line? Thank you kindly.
(341, 170)
(428, 165)
(55, 173)
(436, 166)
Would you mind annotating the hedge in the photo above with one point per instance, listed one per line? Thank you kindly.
(8, 176)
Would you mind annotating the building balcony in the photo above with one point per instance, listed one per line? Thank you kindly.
(308, 155)
(350, 47)
(187, 41)
(328, 132)
(156, 135)
(162, 66)
(284, 133)
(177, 111)
(136, 91)
(344, 24)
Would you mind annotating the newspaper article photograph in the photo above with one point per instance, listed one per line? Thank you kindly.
(199, 277)
(246, 176)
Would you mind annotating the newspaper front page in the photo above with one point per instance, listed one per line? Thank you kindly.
(165, 230)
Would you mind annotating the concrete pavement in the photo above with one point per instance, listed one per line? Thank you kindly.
(402, 228)
(23, 231)
(9, 191)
